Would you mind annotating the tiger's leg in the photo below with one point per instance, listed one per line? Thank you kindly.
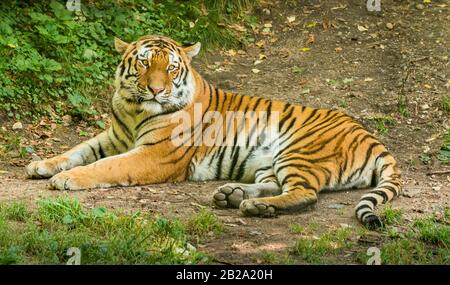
(103, 145)
(231, 195)
(137, 167)
(299, 189)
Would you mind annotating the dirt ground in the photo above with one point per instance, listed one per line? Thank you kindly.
(334, 54)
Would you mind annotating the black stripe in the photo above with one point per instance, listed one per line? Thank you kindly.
(100, 150)
(124, 128)
(93, 151)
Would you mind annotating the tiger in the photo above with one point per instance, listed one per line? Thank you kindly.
(302, 152)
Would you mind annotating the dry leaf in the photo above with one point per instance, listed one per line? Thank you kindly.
(260, 43)
(311, 39)
(231, 52)
(362, 28)
(262, 56)
(368, 79)
(238, 28)
(255, 71)
(338, 49)
(290, 19)
(305, 49)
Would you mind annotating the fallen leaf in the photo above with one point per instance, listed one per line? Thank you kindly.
(260, 43)
(311, 39)
(390, 26)
(17, 126)
(262, 56)
(305, 49)
(368, 79)
(291, 19)
(231, 52)
(238, 28)
(362, 28)
(257, 62)
(254, 70)
(304, 91)
(311, 24)
(338, 49)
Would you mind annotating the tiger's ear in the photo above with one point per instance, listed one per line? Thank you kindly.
(192, 50)
(120, 45)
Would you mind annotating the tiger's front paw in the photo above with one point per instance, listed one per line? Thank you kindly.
(45, 168)
(255, 207)
(71, 180)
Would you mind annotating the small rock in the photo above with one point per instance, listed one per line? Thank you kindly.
(436, 188)
(255, 233)
(420, 7)
(17, 126)
(335, 206)
(425, 107)
(390, 26)
(241, 221)
(345, 226)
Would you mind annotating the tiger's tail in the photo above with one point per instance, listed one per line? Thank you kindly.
(388, 186)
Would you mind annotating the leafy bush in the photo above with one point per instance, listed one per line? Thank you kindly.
(52, 59)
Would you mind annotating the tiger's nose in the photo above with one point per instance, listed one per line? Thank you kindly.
(155, 90)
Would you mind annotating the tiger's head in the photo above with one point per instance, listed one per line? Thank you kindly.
(155, 74)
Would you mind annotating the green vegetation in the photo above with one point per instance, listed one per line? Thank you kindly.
(11, 142)
(55, 61)
(203, 223)
(403, 107)
(381, 123)
(392, 216)
(296, 228)
(425, 241)
(446, 104)
(444, 152)
(330, 243)
(44, 235)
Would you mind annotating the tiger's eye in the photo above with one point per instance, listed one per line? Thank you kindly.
(145, 62)
(171, 67)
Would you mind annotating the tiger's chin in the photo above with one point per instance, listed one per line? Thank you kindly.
(152, 107)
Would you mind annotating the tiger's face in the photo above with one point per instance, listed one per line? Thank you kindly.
(155, 74)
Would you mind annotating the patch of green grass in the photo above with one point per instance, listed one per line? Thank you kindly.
(204, 223)
(11, 142)
(298, 70)
(343, 104)
(445, 104)
(103, 237)
(15, 211)
(269, 257)
(403, 107)
(444, 152)
(382, 124)
(314, 250)
(430, 231)
(55, 61)
(296, 228)
(424, 241)
(392, 216)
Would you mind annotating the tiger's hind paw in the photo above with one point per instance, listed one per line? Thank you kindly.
(253, 207)
(229, 196)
